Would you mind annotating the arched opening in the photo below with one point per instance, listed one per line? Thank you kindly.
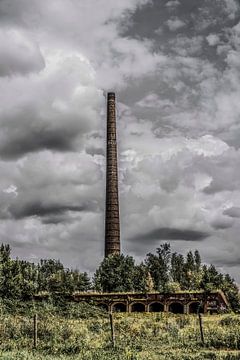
(195, 308)
(156, 307)
(176, 308)
(119, 307)
(103, 306)
(137, 307)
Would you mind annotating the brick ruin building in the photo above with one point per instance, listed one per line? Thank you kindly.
(181, 302)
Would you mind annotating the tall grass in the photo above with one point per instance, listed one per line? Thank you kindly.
(81, 331)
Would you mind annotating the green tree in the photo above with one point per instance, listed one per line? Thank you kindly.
(142, 280)
(159, 266)
(177, 272)
(211, 278)
(192, 271)
(115, 274)
(231, 291)
(197, 260)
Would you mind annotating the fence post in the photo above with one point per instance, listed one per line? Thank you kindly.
(35, 323)
(112, 329)
(201, 327)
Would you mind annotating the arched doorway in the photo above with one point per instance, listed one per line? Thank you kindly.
(137, 307)
(176, 308)
(195, 308)
(156, 307)
(119, 307)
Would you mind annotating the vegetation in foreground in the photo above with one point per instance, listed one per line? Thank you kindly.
(80, 331)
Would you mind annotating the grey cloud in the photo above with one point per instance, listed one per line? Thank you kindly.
(91, 150)
(233, 212)
(222, 223)
(172, 3)
(21, 142)
(172, 234)
(40, 209)
(57, 219)
(213, 188)
(39, 126)
(175, 24)
(192, 79)
(224, 172)
(227, 262)
(204, 18)
(18, 55)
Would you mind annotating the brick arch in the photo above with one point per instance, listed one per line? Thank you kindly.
(156, 306)
(176, 307)
(194, 307)
(119, 307)
(137, 306)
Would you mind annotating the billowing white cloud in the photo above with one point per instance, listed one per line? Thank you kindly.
(213, 39)
(175, 24)
(173, 3)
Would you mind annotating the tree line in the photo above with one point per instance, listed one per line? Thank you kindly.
(21, 279)
(163, 271)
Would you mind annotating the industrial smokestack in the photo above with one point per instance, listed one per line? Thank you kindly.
(112, 224)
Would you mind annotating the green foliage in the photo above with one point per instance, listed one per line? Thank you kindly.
(115, 274)
(159, 266)
(177, 270)
(164, 272)
(118, 273)
(231, 291)
(212, 279)
(20, 279)
(230, 320)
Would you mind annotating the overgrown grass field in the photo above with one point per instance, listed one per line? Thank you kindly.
(80, 331)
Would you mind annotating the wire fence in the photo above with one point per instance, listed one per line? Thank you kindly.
(71, 335)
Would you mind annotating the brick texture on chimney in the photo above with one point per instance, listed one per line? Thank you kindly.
(112, 223)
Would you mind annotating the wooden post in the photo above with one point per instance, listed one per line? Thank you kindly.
(35, 331)
(112, 329)
(201, 327)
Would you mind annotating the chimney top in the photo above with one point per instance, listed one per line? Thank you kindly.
(111, 95)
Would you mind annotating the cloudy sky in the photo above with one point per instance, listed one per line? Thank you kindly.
(175, 68)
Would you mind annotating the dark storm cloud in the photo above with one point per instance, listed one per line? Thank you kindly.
(57, 219)
(37, 208)
(172, 234)
(204, 42)
(152, 21)
(222, 223)
(233, 212)
(19, 144)
(213, 188)
(28, 131)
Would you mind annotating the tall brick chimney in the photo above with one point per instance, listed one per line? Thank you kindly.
(112, 224)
